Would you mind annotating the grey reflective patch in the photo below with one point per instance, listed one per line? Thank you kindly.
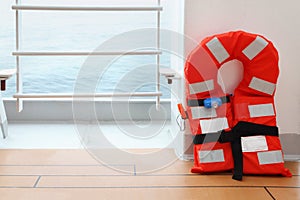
(261, 110)
(217, 49)
(262, 85)
(201, 87)
(270, 157)
(202, 112)
(213, 125)
(254, 143)
(211, 156)
(255, 47)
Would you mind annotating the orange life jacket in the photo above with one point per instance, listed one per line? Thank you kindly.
(234, 132)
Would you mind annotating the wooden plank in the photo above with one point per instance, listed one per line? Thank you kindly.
(173, 166)
(17, 181)
(67, 170)
(45, 157)
(165, 181)
(136, 194)
(294, 167)
(184, 167)
(82, 157)
(178, 167)
(285, 193)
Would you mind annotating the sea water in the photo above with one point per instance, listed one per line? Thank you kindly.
(77, 31)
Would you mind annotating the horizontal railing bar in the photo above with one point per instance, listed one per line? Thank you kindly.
(88, 8)
(82, 95)
(73, 53)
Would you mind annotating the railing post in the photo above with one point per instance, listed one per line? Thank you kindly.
(158, 58)
(19, 73)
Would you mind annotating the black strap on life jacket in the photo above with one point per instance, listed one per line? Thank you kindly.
(241, 129)
(200, 102)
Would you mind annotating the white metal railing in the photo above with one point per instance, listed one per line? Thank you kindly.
(87, 95)
(18, 53)
(88, 8)
(84, 53)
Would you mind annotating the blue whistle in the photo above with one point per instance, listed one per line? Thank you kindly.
(214, 102)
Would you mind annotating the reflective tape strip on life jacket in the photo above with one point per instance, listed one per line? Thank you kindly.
(261, 110)
(213, 125)
(211, 156)
(255, 47)
(262, 85)
(254, 143)
(217, 49)
(200, 87)
(202, 112)
(270, 157)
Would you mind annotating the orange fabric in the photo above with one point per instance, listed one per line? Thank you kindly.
(202, 66)
(213, 167)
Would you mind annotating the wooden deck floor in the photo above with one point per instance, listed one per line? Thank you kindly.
(75, 174)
